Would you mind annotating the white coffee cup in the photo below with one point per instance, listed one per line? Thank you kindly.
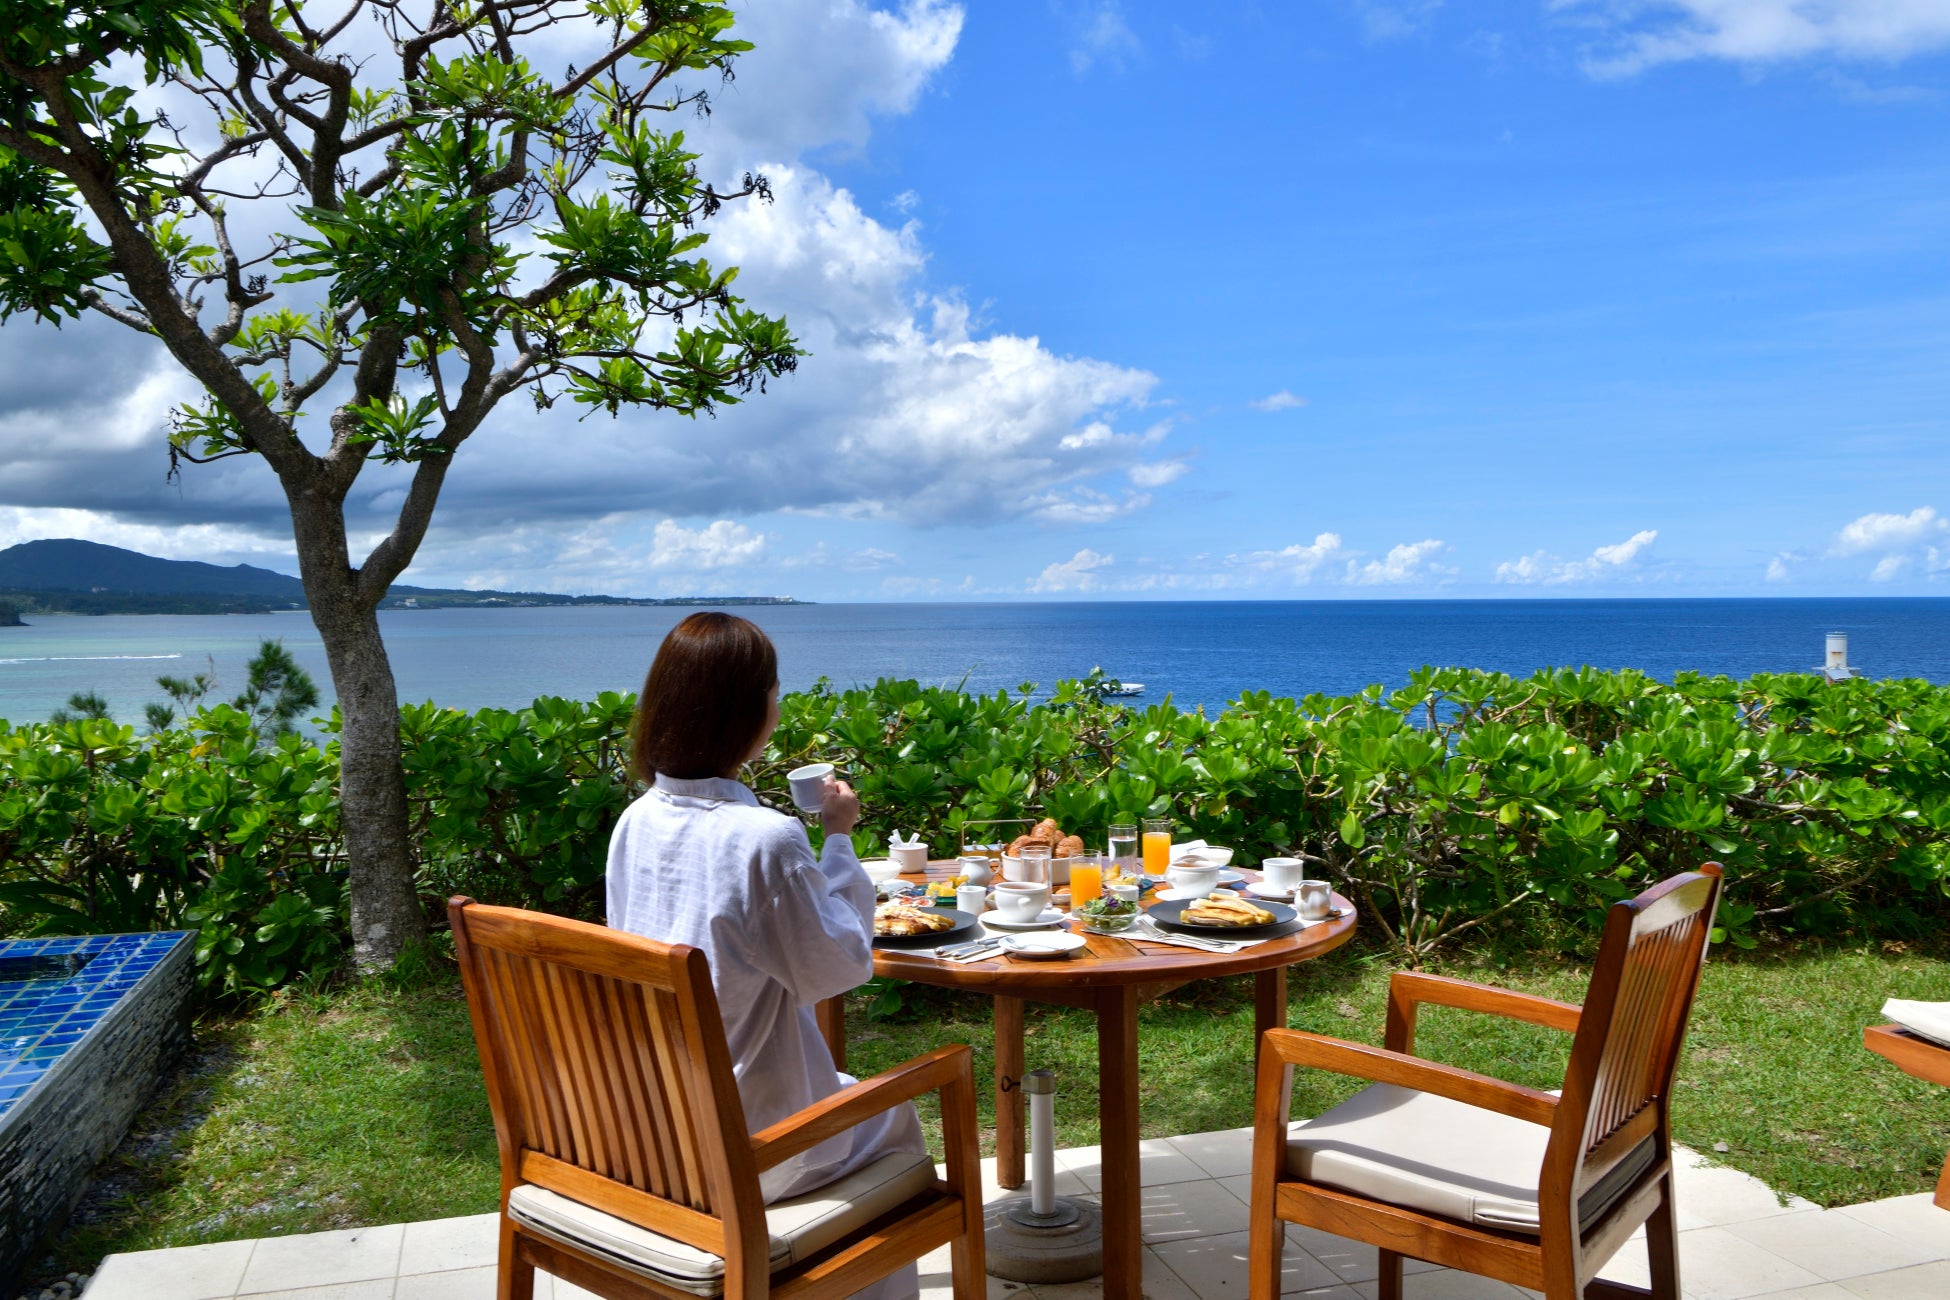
(1198, 881)
(1282, 874)
(1315, 899)
(1021, 901)
(912, 859)
(972, 899)
(809, 785)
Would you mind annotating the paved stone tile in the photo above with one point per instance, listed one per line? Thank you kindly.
(1819, 1291)
(1159, 1283)
(209, 1272)
(1159, 1162)
(1923, 1282)
(1175, 1211)
(1712, 1195)
(1714, 1264)
(1915, 1219)
(443, 1245)
(1448, 1284)
(1353, 1261)
(1221, 1154)
(1832, 1245)
(372, 1289)
(321, 1258)
(1215, 1267)
(454, 1284)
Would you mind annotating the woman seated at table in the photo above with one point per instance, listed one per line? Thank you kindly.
(696, 860)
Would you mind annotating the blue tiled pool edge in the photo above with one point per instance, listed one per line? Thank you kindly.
(89, 1056)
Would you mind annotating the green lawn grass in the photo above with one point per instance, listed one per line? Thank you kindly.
(365, 1105)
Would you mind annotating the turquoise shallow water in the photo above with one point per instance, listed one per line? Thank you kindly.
(1202, 653)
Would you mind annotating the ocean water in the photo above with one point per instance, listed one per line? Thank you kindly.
(1198, 653)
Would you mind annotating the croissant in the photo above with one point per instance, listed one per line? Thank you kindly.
(1070, 846)
(1047, 831)
(1015, 845)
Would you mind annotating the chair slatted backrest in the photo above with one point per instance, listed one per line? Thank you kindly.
(604, 1054)
(1626, 1051)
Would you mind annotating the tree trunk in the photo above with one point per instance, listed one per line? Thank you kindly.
(386, 912)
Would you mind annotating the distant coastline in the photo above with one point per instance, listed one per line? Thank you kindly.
(68, 576)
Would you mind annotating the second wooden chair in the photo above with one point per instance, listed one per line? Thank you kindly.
(1464, 1170)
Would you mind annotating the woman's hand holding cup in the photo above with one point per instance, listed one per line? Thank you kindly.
(839, 807)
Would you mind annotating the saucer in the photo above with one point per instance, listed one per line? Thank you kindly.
(1176, 895)
(1049, 917)
(1259, 889)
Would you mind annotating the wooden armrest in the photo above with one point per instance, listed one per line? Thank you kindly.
(1408, 989)
(1380, 1065)
(806, 1129)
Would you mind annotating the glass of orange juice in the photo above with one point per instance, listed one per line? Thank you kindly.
(1086, 880)
(1157, 845)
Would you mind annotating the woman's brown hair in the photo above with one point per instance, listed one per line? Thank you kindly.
(704, 699)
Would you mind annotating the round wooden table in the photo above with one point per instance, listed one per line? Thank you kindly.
(1111, 977)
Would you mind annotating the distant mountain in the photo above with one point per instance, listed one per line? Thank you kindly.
(75, 577)
(70, 565)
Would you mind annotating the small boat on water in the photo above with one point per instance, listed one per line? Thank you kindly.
(1126, 688)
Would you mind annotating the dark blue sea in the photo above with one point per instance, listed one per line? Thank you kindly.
(1197, 653)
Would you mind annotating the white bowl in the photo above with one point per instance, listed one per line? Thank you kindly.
(881, 870)
(1196, 879)
(911, 860)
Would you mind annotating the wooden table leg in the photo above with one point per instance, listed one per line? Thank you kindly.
(1269, 1004)
(1008, 1093)
(1942, 1197)
(831, 1015)
(1117, 1137)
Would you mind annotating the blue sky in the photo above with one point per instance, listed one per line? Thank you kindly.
(1302, 300)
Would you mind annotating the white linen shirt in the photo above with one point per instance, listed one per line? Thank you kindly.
(702, 863)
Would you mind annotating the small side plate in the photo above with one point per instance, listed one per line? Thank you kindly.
(1041, 944)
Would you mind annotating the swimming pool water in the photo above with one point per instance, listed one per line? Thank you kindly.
(53, 991)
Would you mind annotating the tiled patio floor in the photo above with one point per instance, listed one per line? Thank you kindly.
(1737, 1241)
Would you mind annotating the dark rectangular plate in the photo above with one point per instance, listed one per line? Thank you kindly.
(1167, 915)
(964, 929)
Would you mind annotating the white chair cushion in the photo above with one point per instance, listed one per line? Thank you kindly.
(1426, 1153)
(799, 1227)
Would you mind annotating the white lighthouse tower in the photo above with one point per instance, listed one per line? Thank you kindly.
(1837, 669)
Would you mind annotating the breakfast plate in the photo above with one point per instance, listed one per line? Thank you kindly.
(1170, 914)
(1042, 945)
(964, 927)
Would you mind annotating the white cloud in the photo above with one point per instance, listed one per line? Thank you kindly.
(1541, 567)
(1889, 568)
(724, 544)
(821, 72)
(1280, 401)
(1298, 562)
(1408, 563)
(1078, 573)
(1638, 34)
(1394, 19)
(1781, 566)
(215, 543)
(1157, 473)
(1102, 36)
(1887, 532)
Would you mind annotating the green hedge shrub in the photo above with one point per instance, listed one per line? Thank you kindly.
(1461, 799)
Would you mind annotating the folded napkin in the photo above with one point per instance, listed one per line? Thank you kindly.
(1929, 1020)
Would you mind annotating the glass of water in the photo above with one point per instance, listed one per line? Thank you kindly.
(1123, 849)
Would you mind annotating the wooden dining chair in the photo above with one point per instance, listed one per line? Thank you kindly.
(626, 1165)
(1464, 1170)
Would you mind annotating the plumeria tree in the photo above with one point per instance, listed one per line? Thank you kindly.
(361, 227)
